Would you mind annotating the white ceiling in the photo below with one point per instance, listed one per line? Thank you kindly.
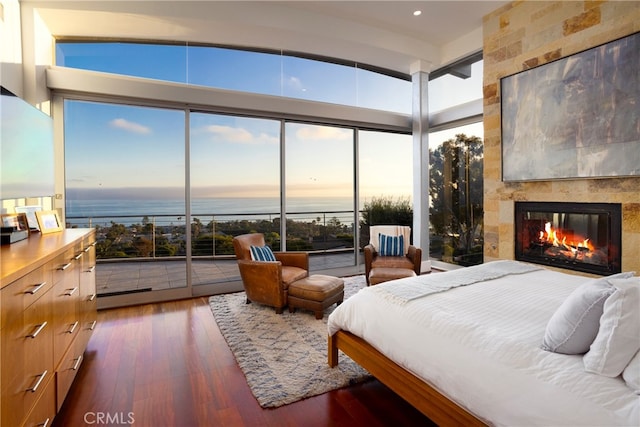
(379, 33)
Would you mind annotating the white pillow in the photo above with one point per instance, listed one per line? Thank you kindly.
(618, 337)
(631, 373)
(574, 325)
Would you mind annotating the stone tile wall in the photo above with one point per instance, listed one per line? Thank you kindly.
(526, 34)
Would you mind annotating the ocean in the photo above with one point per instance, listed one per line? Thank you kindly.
(131, 211)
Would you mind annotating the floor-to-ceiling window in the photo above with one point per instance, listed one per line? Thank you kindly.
(457, 85)
(124, 171)
(234, 177)
(456, 164)
(385, 171)
(238, 160)
(456, 195)
(262, 72)
(319, 188)
(235, 188)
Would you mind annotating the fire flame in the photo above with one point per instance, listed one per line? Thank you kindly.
(567, 242)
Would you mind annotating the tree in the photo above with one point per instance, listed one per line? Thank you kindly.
(456, 192)
(196, 228)
(385, 210)
(144, 246)
(147, 225)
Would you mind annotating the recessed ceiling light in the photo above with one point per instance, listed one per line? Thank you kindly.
(417, 13)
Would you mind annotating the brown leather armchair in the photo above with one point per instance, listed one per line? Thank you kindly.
(268, 282)
(410, 262)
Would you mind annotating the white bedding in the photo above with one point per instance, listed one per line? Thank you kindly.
(479, 345)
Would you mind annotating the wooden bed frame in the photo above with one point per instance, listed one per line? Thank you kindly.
(414, 390)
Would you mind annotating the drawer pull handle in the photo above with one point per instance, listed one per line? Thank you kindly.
(92, 297)
(64, 267)
(45, 423)
(94, 243)
(87, 249)
(91, 269)
(77, 257)
(93, 325)
(36, 288)
(73, 327)
(71, 291)
(37, 331)
(77, 364)
(38, 382)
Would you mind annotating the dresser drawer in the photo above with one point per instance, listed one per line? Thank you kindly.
(38, 340)
(23, 292)
(66, 262)
(66, 315)
(20, 395)
(67, 370)
(13, 377)
(89, 316)
(45, 408)
(27, 359)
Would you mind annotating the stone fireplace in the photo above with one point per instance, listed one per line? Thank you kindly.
(521, 35)
(576, 236)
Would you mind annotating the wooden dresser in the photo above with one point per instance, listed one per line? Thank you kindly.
(49, 310)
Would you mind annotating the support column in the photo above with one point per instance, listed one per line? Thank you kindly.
(420, 129)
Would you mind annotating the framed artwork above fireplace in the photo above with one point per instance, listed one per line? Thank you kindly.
(577, 117)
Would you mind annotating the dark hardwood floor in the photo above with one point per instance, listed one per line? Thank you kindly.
(167, 364)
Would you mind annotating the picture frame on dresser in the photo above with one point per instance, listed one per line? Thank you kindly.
(18, 221)
(30, 211)
(49, 221)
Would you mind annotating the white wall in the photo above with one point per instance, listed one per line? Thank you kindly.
(26, 49)
(37, 54)
(10, 47)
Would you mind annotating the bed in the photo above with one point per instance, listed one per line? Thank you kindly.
(468, 349)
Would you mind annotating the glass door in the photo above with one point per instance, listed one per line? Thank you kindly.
(386, 180)
(124, 176)
(319, 174)
(235, 189)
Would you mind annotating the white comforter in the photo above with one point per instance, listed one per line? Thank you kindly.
(479, 345)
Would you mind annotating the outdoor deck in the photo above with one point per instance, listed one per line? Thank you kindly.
(123, 276)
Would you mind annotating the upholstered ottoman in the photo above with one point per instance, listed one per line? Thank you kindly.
(384, 274)
(316, 293)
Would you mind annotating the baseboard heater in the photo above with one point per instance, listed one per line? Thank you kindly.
(130, 291)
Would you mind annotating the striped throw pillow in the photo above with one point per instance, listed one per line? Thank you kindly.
(391, 245)
(262, 253)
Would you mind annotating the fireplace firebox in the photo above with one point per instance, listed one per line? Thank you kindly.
(585, 237)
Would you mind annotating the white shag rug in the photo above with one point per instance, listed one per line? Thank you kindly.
(283, 356)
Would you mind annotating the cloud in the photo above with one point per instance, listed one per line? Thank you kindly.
(129, 126)
(313, 189)
(239, 135)
(126, 193)
(80, 179)
(239, 190)
(173, 193)
(295, 83)
(324, 133)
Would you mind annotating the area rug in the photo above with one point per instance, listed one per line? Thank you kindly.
(283, 356)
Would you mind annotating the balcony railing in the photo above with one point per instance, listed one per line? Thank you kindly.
(163, 236)
(135, 239)
(125, 244)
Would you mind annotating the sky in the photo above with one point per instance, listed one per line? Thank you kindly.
(232, 156)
